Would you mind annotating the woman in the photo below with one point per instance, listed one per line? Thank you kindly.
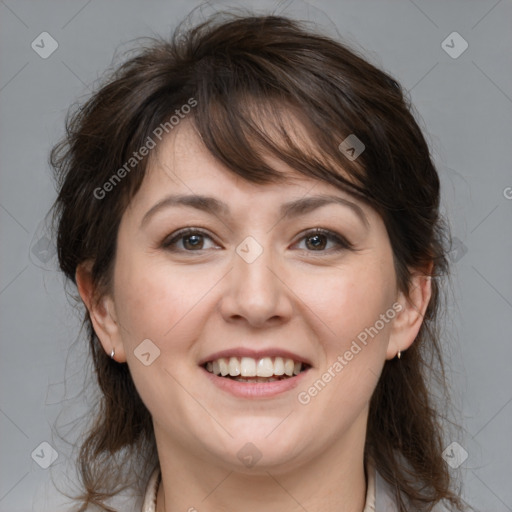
(251, 217)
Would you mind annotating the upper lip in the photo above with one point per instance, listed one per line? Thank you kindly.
(255, 354)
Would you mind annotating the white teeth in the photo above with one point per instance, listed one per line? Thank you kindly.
(288, 367)
(223, 366)
(247, 367)
(266, 368)
(234, 366)
(278, 366)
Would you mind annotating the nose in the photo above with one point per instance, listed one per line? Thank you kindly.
(256, 291)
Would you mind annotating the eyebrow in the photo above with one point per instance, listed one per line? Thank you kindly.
(290, 209)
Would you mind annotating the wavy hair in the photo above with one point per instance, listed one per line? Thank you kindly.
(249, 75)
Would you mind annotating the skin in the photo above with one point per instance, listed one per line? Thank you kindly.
(294, 296)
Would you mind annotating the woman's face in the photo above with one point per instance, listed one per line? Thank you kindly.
(251, 281)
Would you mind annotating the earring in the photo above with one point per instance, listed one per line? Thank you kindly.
(399, 354)
(112, 353)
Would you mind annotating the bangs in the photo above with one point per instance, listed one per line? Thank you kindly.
(245, 128)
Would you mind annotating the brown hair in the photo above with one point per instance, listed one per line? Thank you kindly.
(279, 69)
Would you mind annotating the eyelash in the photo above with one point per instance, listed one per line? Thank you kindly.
(343, 243)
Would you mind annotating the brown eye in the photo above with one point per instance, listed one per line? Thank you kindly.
(191, 240)
(316, 242)
(318, 239)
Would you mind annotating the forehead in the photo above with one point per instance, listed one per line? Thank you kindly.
(184, 173)
(182, 163)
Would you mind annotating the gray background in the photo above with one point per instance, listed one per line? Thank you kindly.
(464, 105)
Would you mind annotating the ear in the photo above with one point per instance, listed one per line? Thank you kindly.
(101, 312)
(407, 323)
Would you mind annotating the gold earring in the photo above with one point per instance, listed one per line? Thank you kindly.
(399, 354)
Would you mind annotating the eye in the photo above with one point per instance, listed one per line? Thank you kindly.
(192, 238)
(317, 240)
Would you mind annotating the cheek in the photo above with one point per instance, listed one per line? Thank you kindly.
(350, 299)
(356, 305)
(157, 301)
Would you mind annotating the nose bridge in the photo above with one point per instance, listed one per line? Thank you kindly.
(253, 262)
(255, 292)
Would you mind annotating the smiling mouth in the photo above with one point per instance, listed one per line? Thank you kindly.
(247, 369)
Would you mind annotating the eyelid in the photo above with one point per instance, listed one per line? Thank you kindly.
(181, 233)
(341, 241)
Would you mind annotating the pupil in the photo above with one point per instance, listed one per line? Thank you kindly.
(319, 242)
(195, 243)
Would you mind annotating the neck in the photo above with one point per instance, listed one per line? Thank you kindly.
(334, 481)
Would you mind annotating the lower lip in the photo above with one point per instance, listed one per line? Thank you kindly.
(256, 389)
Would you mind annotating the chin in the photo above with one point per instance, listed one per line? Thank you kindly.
(255, 451)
